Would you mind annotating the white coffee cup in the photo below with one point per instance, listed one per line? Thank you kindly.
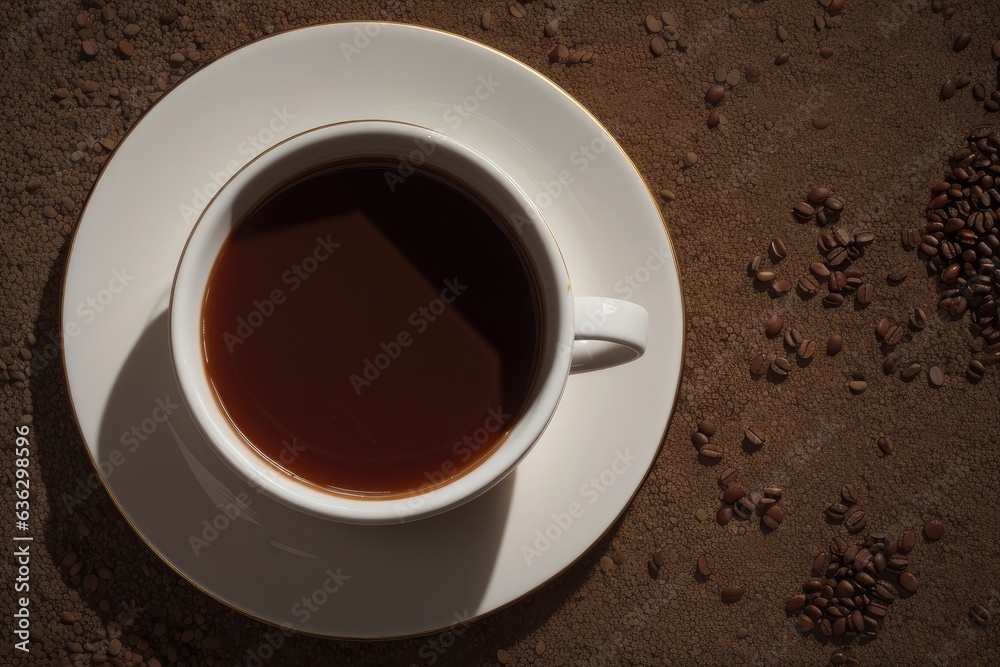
(567, 318)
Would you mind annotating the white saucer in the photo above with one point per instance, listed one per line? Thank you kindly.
(358, 581)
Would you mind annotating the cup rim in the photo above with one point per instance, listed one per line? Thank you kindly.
(266, 476)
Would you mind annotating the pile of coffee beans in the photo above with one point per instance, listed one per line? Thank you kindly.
(737, 503)
(664, 34)
(846, 511)
(853, 586)
(961, 238)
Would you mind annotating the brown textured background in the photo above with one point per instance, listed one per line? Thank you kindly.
(93, 581)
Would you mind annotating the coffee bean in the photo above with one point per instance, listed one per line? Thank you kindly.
(886, 445)
(825, 52)
(833, 299)
(936, 376)
(856, 522)
(517, 10)
(821, 122)
(891, 363)
(773, 325)
(894, 335)
(711, 451)
(714, 118)
(948, 89)
(906, 542)
(886, 591)
(898, 273)
(849, 494)
(707, 427)
(980, 615)
(690, 158)
(803, 211)
(819, 269)
(961, 42)
(834, 344)
(818, 195)
(754, 436)
(807, 348)
(836, 257)
(813, 612)
(910, 370)
(836, 6)
(715, 95)
(865, 294)
(728, 477)
(782, 59)
(933, 530)
(976, 370)
(857, 386)
(908, 582)
(487, 20)
(780, 366)
(778, 249)
(733, 494)
(793, 337)
(706, 565)
(759, 365)
(781, 287)
(766, 276)
(773, 517)
(883, 326)
(732, 594)
(836, 512)
(724, 515)
(864, 238)
(551, 28)
(699, 439)
(805, 623)
(770, 660)
(653, 24)
(838, 546)
(898, 562)
(918, 318)
(658, 46)
(809, 284)
(795, 603)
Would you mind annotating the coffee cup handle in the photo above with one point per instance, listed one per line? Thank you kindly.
(608, 332)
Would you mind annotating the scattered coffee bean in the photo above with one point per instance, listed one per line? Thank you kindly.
(559, 53)
(980, 615)
(732, 594)
(807, 348)
(821, 122)
(856, 521)
(908, 582)
(781, 287)
(906, 542)
(918, 319)
(976, 370)
(910, 370)
(724, 515)
(780, 366)
(857, 386)
(766, 276)
(865, 294)
(551, 28)
(898, 273)
(849, 494)
(774, 492)
(782, 59)
(836, 6)
(707, 427)
(733, 494)
(936, 376)
(773, 517)
(699, 439)
(795, 602)
(809, 284)
(657, 45)
(690, 158)
(833, 299)
(653, 24)
(706, 565)
(773, 325)
(819, 269)
(759, 365)
(517, 10)
(487, 20)
(948, 89)
(803, 211)
(714, 118)
(778, 249)
(715, 95)
(891, 364)
(711, 451)
(933, 530)
(793, 337)
(961, 42)
(836, 512)
(834, 344)
(754, 436)
(728, 477)
(825, 52)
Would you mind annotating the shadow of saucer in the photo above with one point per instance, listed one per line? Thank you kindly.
(268, 560)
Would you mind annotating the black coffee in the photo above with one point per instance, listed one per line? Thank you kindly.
(372, 336)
